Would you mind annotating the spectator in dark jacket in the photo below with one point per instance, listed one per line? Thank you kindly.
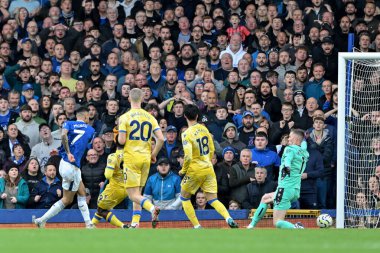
(314, 170)
(321, 140)
(222, 171)
(241, 174)
(48, 190)
(328, 56)
(93, 175)
(271, 104)
(301, 116)
(230, 134)
(13, 137)
(283, 126)
(257, 188)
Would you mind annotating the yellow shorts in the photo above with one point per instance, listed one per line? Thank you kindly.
(111, 197)
(191, 183)
(137, 173)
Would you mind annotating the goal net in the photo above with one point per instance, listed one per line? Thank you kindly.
(358, 195)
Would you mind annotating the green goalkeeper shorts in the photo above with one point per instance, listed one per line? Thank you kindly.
(284, 197)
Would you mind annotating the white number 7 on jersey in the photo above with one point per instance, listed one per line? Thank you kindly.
(79, 133)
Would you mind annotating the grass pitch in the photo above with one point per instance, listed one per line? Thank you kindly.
(188, 240)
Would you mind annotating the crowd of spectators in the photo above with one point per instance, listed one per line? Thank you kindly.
(256, 69)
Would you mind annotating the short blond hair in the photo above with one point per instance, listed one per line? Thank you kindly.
(136, 95)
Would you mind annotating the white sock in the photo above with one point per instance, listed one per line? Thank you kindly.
(151, 209)
(197, 226)
(228, 219)
(83, 207)
(53, 211)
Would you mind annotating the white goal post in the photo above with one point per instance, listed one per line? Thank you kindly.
(345, 85)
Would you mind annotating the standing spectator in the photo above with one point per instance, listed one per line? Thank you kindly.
(42, 150)
(328, 56)
(235, 49)
(93, 175)
(320, 139)
(222, 171)
(283, 126)
(12, 138)
(264, 157)
(284, 59)
(32, 173)
(48, 190)
(314, 171)
(14, 193)
(17, 158)
(240, 175)
(171, 142)
(7, 116)
(28, 126)
(314, 88)
(271, 104)
(257, 188)
(163, 188)
(247, 132)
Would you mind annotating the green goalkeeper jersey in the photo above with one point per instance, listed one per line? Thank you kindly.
(294, 158)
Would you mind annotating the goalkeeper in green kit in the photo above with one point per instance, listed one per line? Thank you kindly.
(293, 164)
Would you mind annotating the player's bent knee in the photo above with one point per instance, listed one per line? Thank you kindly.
(102, 212)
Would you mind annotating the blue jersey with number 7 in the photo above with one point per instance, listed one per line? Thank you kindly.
(79, 135)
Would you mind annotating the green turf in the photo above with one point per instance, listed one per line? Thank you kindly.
(188, 240)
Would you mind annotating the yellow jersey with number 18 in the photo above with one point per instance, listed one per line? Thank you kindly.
(139, 127)
(199, 148)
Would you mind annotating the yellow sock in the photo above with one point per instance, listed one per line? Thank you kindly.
(96, 219)
(190, 212)
(147, 205)
(114, 220)
(219, 207)
(136, 217)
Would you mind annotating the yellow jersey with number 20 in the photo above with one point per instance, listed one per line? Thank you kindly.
(139, 126)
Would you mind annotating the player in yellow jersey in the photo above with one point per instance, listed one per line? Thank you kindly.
(197, 168)
(136, 128)
(115, 191)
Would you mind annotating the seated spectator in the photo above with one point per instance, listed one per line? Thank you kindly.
(14, 193)
(230, 134)
(201, 201)
(48, 190)
(233, 205)
(241, 174)
(42, 150)
(93, 175)
(163, 188)
(257, 188)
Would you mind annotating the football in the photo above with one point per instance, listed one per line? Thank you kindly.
(324, 221)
